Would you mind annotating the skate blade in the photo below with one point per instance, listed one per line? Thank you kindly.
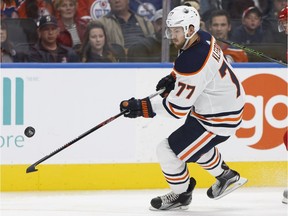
(232, 187)
(180, 208)
(285, 201)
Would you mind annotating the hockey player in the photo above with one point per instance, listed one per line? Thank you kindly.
(202, 87)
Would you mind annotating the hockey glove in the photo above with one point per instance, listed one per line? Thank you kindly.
(137, 107)
(168, 83)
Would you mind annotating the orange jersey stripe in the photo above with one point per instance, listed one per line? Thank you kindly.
(196, 146)
(218, 119)
(177, 179)
(213, 162)
(176, 113)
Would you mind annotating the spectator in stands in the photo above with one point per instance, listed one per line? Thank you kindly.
(251, 29)
(270, 10)
(47, 49)
(35, 9)
(95, 47)
(123, 26)
(8, 53)
(92, 9)
(220, 27)
(71, 27)
(149, 49)
(8, 9)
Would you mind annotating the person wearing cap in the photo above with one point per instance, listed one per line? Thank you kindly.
(149, 49)
(47, 49)
(251, 31)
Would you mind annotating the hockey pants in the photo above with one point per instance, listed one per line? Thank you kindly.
(189, 143)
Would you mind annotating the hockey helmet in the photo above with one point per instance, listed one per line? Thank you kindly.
(282, 17)
(183, 16)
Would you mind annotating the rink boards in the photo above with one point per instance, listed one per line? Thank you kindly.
(62, 101)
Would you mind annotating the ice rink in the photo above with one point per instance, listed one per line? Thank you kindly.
(245, 201)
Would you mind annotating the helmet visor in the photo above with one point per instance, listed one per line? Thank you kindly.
(174, 32)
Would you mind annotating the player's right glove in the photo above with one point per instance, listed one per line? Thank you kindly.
(137, 107)
(167, 82)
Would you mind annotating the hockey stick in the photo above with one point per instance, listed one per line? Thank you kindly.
(32, 168)
(252, 51)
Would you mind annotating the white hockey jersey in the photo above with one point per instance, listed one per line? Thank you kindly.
(206, 88)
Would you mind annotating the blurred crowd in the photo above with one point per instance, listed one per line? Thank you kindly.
(131, 30)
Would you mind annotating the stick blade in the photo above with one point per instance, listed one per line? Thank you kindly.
(31, 169)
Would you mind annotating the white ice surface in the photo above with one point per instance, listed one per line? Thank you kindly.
(260, 201)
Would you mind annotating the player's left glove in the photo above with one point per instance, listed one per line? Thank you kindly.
(167, 82)
(137, 107)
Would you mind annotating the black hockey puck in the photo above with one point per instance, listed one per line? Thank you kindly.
(29, 131)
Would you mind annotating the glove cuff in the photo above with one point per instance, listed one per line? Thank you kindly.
(173, 75)
(147, 111)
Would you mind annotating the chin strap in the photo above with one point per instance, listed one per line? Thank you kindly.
(187, 40)
(185, 44)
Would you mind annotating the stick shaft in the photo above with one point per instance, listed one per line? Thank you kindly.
(252, 51)
(32, 167)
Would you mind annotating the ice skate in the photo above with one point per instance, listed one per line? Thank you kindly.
(227, 182)
(285, 196)
(172, 201)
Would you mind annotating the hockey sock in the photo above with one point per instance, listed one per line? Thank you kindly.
(213, 162)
